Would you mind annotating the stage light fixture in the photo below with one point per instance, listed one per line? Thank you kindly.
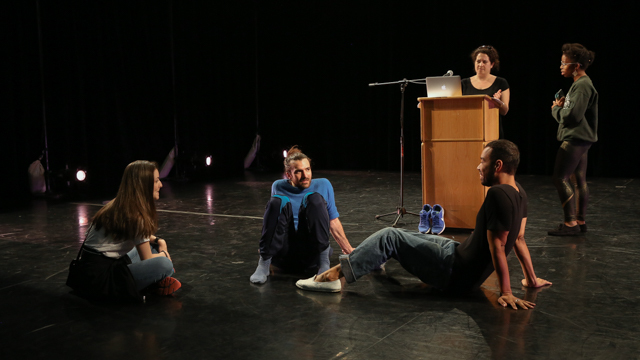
(81, 175)
(284, 153)
(208, 160)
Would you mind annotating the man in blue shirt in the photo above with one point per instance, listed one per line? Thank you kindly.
(297, 222)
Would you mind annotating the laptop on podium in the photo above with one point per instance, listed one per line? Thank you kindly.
(443, 86)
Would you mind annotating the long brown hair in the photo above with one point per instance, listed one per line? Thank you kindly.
(132, 214)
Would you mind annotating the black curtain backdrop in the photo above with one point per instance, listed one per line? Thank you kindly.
(298, 69)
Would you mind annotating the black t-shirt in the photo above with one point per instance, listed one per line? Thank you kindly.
(498, 84)
(503, 210)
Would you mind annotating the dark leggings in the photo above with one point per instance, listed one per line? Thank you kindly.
(292, 249)
(570, 179)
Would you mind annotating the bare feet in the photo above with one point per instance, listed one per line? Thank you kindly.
(332, 274)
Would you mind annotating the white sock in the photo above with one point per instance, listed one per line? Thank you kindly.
(323, 261)
(262, 272)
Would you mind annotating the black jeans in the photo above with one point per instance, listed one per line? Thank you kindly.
(291, 249)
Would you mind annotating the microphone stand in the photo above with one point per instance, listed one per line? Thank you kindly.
(400, 210)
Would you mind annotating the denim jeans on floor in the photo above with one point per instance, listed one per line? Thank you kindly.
(150, 271)
(429, 257)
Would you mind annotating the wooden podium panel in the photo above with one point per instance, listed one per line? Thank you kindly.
(454, 131)
(453, 180)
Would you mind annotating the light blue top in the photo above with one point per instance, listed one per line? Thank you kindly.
(321, 186)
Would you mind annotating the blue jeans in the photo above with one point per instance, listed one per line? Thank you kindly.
(429, 257)
(150, 271)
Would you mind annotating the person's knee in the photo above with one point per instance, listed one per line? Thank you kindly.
(581, 179)
(387, 233)
(278, 211)
(277, 203)
(314, 200)
(560, 181)
(164, 265)
(313, 209)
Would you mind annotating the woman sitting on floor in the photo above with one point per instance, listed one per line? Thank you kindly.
(121, 233)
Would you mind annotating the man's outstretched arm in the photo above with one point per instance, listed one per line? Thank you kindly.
(335, 227)
(497, 241)
(522, 252)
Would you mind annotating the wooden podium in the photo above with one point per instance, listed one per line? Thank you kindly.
(453, 131)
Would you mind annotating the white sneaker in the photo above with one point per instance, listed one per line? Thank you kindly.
(311, 285)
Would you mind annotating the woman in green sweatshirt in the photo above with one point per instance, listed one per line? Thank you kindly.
(577, 117)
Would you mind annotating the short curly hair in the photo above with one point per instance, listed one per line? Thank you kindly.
(506, 151)
(491, 52)
(578, 53)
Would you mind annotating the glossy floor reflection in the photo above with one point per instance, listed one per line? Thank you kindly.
(590, 312)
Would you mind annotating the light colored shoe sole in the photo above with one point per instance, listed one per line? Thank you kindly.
(438, 233)
(311, 285)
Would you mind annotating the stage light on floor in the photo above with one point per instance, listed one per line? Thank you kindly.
(208, 160)
(81, 175)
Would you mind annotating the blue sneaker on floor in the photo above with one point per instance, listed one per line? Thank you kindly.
(437, 220)
(425, 219)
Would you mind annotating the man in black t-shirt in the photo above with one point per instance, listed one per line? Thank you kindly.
(447, 264)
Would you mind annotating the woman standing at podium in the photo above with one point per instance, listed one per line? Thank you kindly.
(577, 117)
(485, 58)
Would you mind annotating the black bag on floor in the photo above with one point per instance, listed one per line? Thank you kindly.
(97, 275)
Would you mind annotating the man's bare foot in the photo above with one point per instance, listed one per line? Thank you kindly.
(332, 274)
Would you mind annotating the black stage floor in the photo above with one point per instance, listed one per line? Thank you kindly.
(590, 312)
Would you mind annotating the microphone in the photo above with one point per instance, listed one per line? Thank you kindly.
(449, 73)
